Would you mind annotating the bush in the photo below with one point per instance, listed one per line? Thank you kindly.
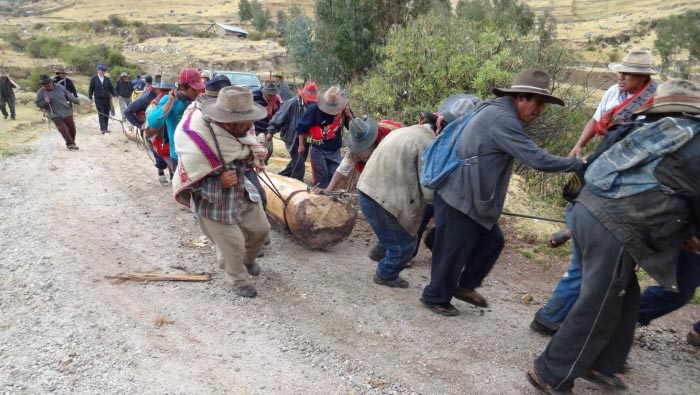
(255, 36)
(15, 41)
(43, 47)
(117, 21)
(84, 59)
(116, 58)
(33, 79)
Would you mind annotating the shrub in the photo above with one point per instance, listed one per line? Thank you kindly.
(33, 79)
(43, 47)
(15, 41)
(117, 21)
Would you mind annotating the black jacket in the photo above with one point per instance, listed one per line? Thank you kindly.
(104, 90)
(125, 88)
(66, 83)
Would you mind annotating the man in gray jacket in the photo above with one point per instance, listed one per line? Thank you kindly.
(468, 240)
(54, 99)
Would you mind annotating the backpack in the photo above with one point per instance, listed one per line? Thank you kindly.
(440, 159)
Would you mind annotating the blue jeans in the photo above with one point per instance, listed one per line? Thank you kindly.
(657, 301)
(567, 291)
(391, 236)
(323, 165)
(297, 164)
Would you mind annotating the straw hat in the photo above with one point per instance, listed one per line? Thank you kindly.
(531, 81)
(635, 62)
(675, 95)
(234, 104)
(332, 101)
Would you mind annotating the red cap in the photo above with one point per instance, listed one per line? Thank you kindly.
(192, 78)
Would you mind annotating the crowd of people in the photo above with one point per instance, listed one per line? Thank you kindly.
(634, 202)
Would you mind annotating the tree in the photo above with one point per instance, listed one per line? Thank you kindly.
(281, 24)
(501, 12)
(677, 33)
(244, 11)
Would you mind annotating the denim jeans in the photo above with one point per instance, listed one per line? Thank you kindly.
(568, 288)
(323, 165)
(398, 243)
(657, 301)
(463, 253)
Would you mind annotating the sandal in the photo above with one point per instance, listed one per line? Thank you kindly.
(605, 380)
(443, 309)
(559, 238)
(545, 388)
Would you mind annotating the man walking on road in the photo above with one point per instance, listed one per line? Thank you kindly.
(102, 90)
(7, 95)
(54, 99)
(124, 90)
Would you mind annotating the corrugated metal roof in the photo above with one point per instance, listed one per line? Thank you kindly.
(232, 28)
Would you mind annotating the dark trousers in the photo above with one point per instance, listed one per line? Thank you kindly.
(297, 165)
(599, 330)
(10, 103)
(463, 253)
(160, 163)
(323, 165)
(103, 107)
(66, 127)
(657, 301)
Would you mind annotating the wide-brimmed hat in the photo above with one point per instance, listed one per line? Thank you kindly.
(309, 92)
(453, 107)
(333, 100)
(123, 74)
(148, 78)
(635, 62)
(234, 104)
(362, 134)
(205, 74)
(216, 84)
(277, 74)
(44, 79)
(4, 75)
(62, 70)
(167, 81)
(270, 88)
(531, 81)
(675, 95)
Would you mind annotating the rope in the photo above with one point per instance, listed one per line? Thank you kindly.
(561, 221)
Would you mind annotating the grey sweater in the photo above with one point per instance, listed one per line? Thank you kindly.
(494, 137)
(58, 108)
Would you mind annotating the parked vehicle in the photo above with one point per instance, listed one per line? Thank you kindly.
(240, 78)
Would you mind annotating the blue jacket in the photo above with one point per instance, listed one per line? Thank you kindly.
(157, 118)
(313, 116)
(140, 104)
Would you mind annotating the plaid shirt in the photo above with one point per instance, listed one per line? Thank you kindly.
(219, 204)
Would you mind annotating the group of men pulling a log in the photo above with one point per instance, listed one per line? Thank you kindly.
(637, 202)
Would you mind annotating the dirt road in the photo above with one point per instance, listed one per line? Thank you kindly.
(319, 325)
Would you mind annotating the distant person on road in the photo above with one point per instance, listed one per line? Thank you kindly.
(102, 90)
(211, 143)
(54, 99)
(285, 121)
(124, 89)
(285, 92)
(268, 97)
(62, 79)
(7, 95)
(321, 129)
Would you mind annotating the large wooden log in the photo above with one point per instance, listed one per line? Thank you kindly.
(317, 221)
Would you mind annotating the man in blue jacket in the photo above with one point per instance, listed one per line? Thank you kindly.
(171, 107)
(468, 240)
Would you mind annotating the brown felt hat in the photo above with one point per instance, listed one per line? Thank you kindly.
(635, 62)
(531, 81)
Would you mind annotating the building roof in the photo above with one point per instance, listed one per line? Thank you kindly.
(232, 28)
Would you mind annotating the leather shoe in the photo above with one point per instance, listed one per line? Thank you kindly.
(470, 296)
(247, 291)
(398, 282)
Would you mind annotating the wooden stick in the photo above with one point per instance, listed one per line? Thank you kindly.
(120, 278)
